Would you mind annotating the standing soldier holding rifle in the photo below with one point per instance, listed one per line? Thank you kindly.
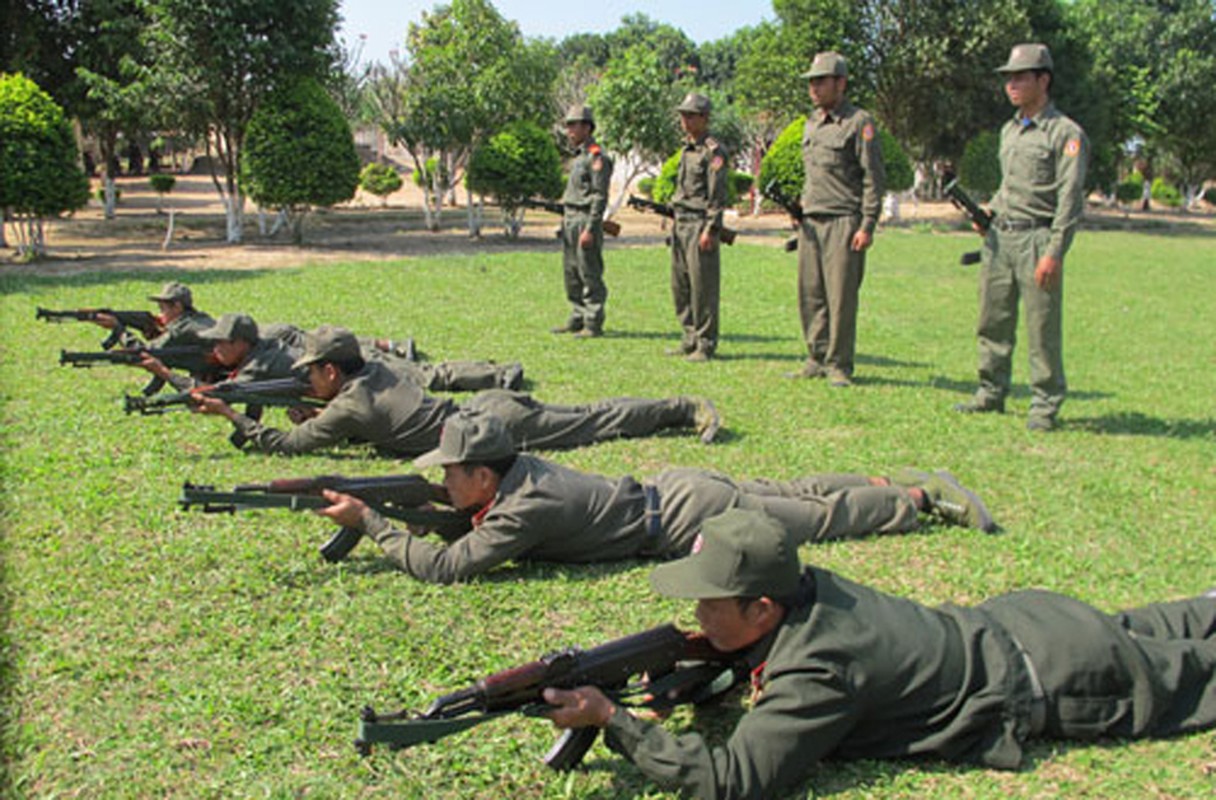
(583, 227)
(841, 201)
(698, 203)
(1037, 208)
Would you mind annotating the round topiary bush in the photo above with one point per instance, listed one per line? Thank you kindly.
(380, 180)
(1165, 193)
(518, 162)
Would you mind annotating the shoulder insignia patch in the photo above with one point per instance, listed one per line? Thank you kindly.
(867, 131)
(594, 150)
(1072, 147)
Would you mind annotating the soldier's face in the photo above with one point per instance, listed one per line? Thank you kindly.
(728, 625)
(693, 124)
(826, 91)
(230, 352)
(325, 380)
(169, 309)
(577, 132)
(1026, 89)
(470, 488)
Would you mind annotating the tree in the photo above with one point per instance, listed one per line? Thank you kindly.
(299, 153)
(634, 105)
(218, 60)
(519, 162)
(40, 175)
(676, 53)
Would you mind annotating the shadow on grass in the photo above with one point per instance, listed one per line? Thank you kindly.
(1133, 423)
(1018, 392)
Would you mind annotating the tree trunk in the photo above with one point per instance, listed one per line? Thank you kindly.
(110, 193)
(473, 214)
(168, 231)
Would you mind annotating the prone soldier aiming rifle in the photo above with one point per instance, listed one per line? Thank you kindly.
(980, 218)
(611, 227)
(678, 667)
(727, 235)
(404, 497)
(147, 323)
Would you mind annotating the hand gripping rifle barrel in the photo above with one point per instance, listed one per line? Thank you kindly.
(979, 217)
(679, 668)
(727, 235)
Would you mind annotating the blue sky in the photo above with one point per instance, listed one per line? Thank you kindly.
(383, 22)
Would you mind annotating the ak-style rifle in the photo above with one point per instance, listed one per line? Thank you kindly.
(275, 392)
(727, 235)
(773, 191)
(145, 322)
(407, 498)
(678, 668)
(611, 227)
(195, 359)
(979, 217)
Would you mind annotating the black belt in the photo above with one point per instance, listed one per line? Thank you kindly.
(1009, 225)
(1038, 697)
(577, 209)
(653, 545)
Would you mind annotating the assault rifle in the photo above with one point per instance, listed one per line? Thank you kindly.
(611, 227)
(145, 322)
(276, 392)
(663, 209)
(679, 668)
(772, 190)
(402, 497)
(979, 217)
(195, 359)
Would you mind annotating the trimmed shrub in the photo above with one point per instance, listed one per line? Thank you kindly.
(1209, 196)
(162, 183)
(646, 186)
(737, 184)
(380, 180)
(980, 168)
(1166, 193)
(898, 167)
(518, 162)
(782, 163)
(1130, 189)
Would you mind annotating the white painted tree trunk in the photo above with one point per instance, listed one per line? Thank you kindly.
(110, 193)
(168, 231)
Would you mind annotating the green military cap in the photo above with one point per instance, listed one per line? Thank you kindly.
(469, 435)
(328, 343)
(739, 553)
(694, 103)
(174, 292)
(231, 327)
(827, 63)
(580, 113)
(1025, 57)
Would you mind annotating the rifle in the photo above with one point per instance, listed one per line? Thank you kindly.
(611, 227)
(679, 667)
(195, 359)
(276, 392)
(772, 190)
(663, 209)
(145, 322)
(400, 497)
(962, 201)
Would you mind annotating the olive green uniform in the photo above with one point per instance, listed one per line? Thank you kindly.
(181, 332)
(698, 202)
(1038, 207)
(845, 182)
(442, 376)
(854, 673)
(583, 207)
(379, 406)
(547, 512)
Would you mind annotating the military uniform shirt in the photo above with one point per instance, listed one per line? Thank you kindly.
(590, 175)
(270, 359)
(375, 405)
(701, 180)
(854, 673)
(182, 332)
(1043, 162)
(843, 161)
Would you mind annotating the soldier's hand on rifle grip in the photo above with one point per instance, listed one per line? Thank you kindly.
(583, 707)
(155, 366)
(300, 414)
(206, 404)
(346, 510)
(107, 321)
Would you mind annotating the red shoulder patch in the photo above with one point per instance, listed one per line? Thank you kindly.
(867, 131)
(1072, 147)
(594, 150)
(717, 163)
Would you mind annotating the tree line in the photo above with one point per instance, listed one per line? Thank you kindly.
(1139, 75)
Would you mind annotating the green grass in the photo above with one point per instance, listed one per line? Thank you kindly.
(152, 652)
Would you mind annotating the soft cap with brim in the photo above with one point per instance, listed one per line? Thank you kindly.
(1025, 57)
(174, 292)
(739, 553)
(580, 113)
(469, 435)
(232, 327)
(694, 103)
(828, 63)
(328, 343)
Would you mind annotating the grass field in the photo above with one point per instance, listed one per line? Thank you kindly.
(157, 653)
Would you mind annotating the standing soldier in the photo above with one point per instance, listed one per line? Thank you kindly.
(698, 202)
(1037, 208)
(583, 227)
(841, 202)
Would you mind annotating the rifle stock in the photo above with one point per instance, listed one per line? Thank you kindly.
(679, 667)
(727, 235)
(277, 392)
